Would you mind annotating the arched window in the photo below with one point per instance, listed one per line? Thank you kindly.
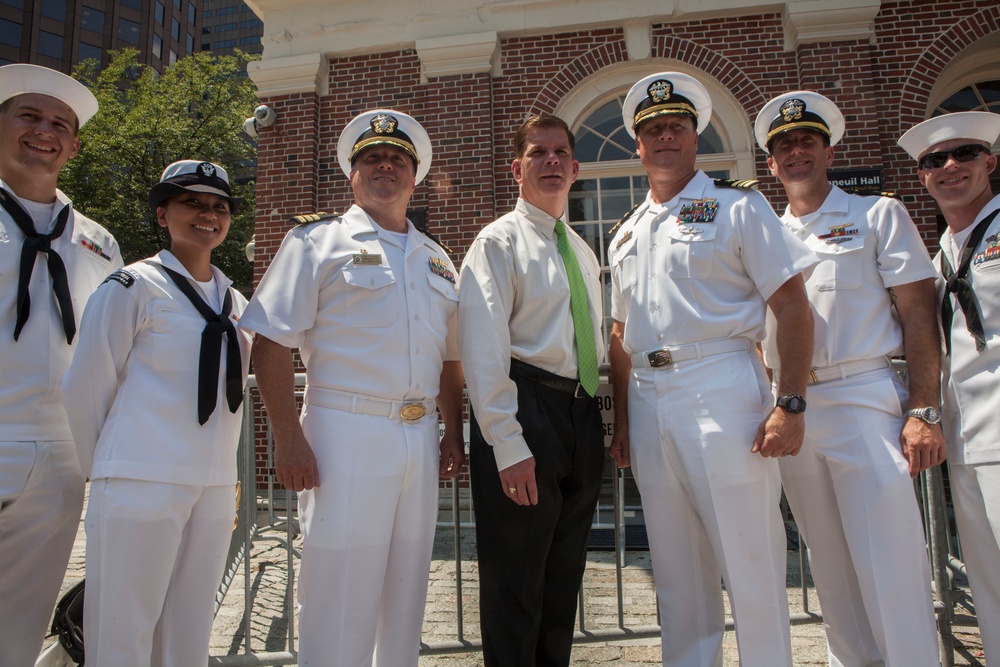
(981, 96)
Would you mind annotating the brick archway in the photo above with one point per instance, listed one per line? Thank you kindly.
(917, 88)
(673, 48)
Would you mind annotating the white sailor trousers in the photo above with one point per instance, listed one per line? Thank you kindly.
(853, 500)
(155, 556)
(41, 496)
(711, 509)
(368, 532)
(976, 493)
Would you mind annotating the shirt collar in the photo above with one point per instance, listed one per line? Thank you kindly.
(167, 259)
(360, 223)
(537, 217)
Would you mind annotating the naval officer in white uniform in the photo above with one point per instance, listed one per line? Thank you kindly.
(51, 259)
(371, 303)
(954, 163)
(694, 268)
(850, 487)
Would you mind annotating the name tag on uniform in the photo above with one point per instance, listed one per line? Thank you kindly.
(366, 259)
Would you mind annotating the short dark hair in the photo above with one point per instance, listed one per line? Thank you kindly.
(542, 121)
(6, 104)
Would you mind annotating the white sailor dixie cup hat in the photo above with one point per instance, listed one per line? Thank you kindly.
(667, 93)
(24, 79)
(385, 126)
(799, 110)
(192, 176)
(981, 126)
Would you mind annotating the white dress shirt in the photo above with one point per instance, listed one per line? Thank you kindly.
(131, 392)
(33, 366)
(367, 316)
(971, 417)
(866, 245)
(700, 266)
(515, 303)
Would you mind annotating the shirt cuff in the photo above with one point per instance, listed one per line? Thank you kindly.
(511, 452)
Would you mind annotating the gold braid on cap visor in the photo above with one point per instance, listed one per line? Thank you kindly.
(806, 125)
(662, 109)
(398, 143)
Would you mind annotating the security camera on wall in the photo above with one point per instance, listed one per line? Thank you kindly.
(265, 116)
(250, 127)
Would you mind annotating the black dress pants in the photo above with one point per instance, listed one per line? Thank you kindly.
(532, 558)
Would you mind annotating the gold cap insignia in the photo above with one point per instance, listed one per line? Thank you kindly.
(792, 110)
(384, 124)
(660, 90)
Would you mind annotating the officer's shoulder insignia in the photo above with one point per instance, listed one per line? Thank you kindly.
(745, 184)
(875, 193)
(423, 230)
(310, 218)
(611, 232)
(122, 277)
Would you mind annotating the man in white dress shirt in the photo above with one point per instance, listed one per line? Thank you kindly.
(694, 269)
(954, 163)
(51, 259)
(371, 303)
(530, 336)
(850, 487)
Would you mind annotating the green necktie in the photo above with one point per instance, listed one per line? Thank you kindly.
(586, 351)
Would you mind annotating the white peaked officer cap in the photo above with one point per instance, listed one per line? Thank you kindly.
(385, 126)
(981, 126)
(24, 79)
(667, 93)
(799, 110)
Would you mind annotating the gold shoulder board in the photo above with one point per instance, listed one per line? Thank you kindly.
(746, 184)
(308, 218)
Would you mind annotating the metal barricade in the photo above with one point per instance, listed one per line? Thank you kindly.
(269, 515)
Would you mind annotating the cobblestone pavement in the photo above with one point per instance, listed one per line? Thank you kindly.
(269, 623)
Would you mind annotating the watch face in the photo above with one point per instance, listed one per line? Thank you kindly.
(792, 403)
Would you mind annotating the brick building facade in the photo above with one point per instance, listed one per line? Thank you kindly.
(888, 65)
(471, 72)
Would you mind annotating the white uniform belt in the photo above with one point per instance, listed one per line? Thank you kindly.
(671, 355)
(843, 371)
(367, 405)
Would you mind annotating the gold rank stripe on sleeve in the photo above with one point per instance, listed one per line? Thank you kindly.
(745, 184)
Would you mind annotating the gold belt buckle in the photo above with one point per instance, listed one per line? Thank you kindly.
(658, 358)
(412, 411)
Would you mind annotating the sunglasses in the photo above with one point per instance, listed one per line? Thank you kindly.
(966, 153)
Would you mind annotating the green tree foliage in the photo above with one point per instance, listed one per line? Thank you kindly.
(193, 110)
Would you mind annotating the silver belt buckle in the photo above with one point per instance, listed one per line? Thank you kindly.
(412, 411)
(658, 358)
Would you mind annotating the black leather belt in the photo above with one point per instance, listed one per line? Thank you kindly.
(519, 369)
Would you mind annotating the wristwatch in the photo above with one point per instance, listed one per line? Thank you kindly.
(930, 415)
(792, 403)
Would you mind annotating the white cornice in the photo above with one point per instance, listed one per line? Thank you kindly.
(810, 21)
(459, 54)
(286, 76)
